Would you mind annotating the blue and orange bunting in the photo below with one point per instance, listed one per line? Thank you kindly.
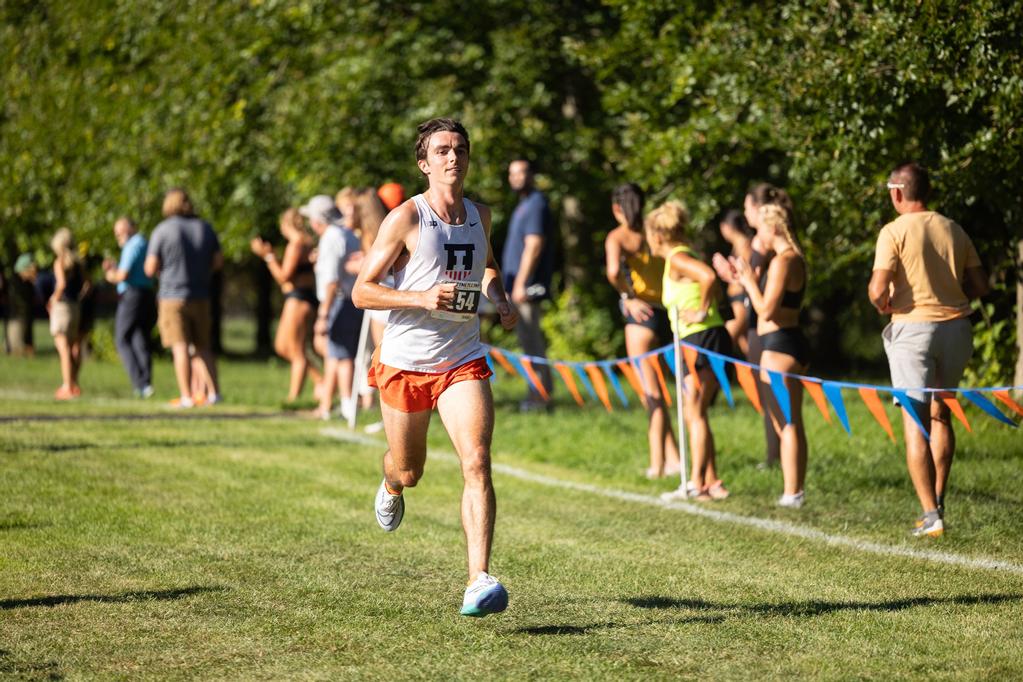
(717, 363)
(1007, 399)
(630, 376)
(817, 393)
(744, 375)
(987, 406)
(953, 405)
(490, 366)
(690, 355)
(781, 394)
(834, 394)
(527, 365)
(566, 376)
(503, 361)
(615, 384)
(914, 408)
(655, 363)
(876, 408)
(585, 380)
(598, 384)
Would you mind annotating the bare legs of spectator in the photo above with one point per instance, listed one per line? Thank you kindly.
(929, 463)
(182, 369)
(290, 344)
(68, 372)
(792, 436)
(771, 438)
(660, 435)
(701, 439)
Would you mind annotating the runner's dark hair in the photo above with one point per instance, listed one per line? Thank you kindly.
(437, 125)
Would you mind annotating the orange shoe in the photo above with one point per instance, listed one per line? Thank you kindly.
(63, 393)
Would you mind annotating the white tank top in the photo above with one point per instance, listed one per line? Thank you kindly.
(419, 340)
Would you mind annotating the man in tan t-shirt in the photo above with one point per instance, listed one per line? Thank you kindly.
(926, 270)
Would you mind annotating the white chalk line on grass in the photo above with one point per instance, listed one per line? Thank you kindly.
(769, 525)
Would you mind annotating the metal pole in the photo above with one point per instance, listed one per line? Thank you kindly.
(679, 399)
(361, 367)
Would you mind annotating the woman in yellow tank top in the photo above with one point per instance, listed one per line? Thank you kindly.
(690, 286)
(646, 323)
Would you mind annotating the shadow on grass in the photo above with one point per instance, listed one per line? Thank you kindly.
(818, 608)
(20, 524)
(50, 670)
(123, 598)
(585, 629)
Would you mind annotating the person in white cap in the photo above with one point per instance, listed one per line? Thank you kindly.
(339, 255)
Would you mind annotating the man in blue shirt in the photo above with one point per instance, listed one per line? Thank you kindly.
(136, 306)
(527, 266)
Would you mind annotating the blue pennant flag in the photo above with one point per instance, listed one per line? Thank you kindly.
(585, 380)
(490, 364)
(606, 366)
(669, 358)
(717, 363)
(781, 393)
(834, 394)
(983, 403)
(519, 367)
(914, 407)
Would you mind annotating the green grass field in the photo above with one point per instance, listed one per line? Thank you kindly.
(239, 542)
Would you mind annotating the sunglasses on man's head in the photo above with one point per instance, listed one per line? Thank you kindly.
(896, 185)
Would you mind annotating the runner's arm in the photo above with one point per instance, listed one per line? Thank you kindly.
(398, 233)
(492, 284)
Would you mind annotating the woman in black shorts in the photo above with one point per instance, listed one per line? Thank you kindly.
(294, 274)
(636, 274)
(777, 297)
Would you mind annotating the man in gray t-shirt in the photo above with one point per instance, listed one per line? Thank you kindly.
(185, 252)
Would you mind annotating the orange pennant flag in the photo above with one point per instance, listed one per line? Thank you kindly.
(691, 354)
(749, 385)
(566, 373)
(632, 378)
(537, 384)
(1007, 399)
(949, 399)
(597, 379)
(655, 362)
(873, 404)
(817, 393)
(503, 361)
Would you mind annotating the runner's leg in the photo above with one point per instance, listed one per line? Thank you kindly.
(467, 410)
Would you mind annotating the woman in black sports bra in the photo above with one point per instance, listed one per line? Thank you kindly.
(294, 274)
(736, 231)
(777, 298)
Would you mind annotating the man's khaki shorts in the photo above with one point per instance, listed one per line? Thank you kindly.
(928, 354)
(184, 322)
(64, 318)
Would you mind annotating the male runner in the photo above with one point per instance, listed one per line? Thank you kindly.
(437, 244)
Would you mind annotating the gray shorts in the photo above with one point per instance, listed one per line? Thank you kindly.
(928, 354)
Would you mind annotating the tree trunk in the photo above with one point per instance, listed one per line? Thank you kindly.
(1019, 319)
(264, 316)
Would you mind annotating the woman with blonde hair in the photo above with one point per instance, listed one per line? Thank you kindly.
(64, 307)
(689, 289)
(636, 274)
(294, 273)
(777, 297)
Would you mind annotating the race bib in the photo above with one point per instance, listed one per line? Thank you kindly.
(465, 305)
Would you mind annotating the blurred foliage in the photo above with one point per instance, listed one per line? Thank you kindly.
(256, 105)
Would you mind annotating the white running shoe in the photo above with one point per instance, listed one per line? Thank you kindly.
(791, 501)
(389, 508)
(485, 595)
(930, 529)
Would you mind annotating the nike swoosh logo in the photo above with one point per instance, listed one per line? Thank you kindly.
(473, 224)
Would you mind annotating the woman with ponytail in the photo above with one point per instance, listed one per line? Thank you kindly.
(777, 297)
(635, 273)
